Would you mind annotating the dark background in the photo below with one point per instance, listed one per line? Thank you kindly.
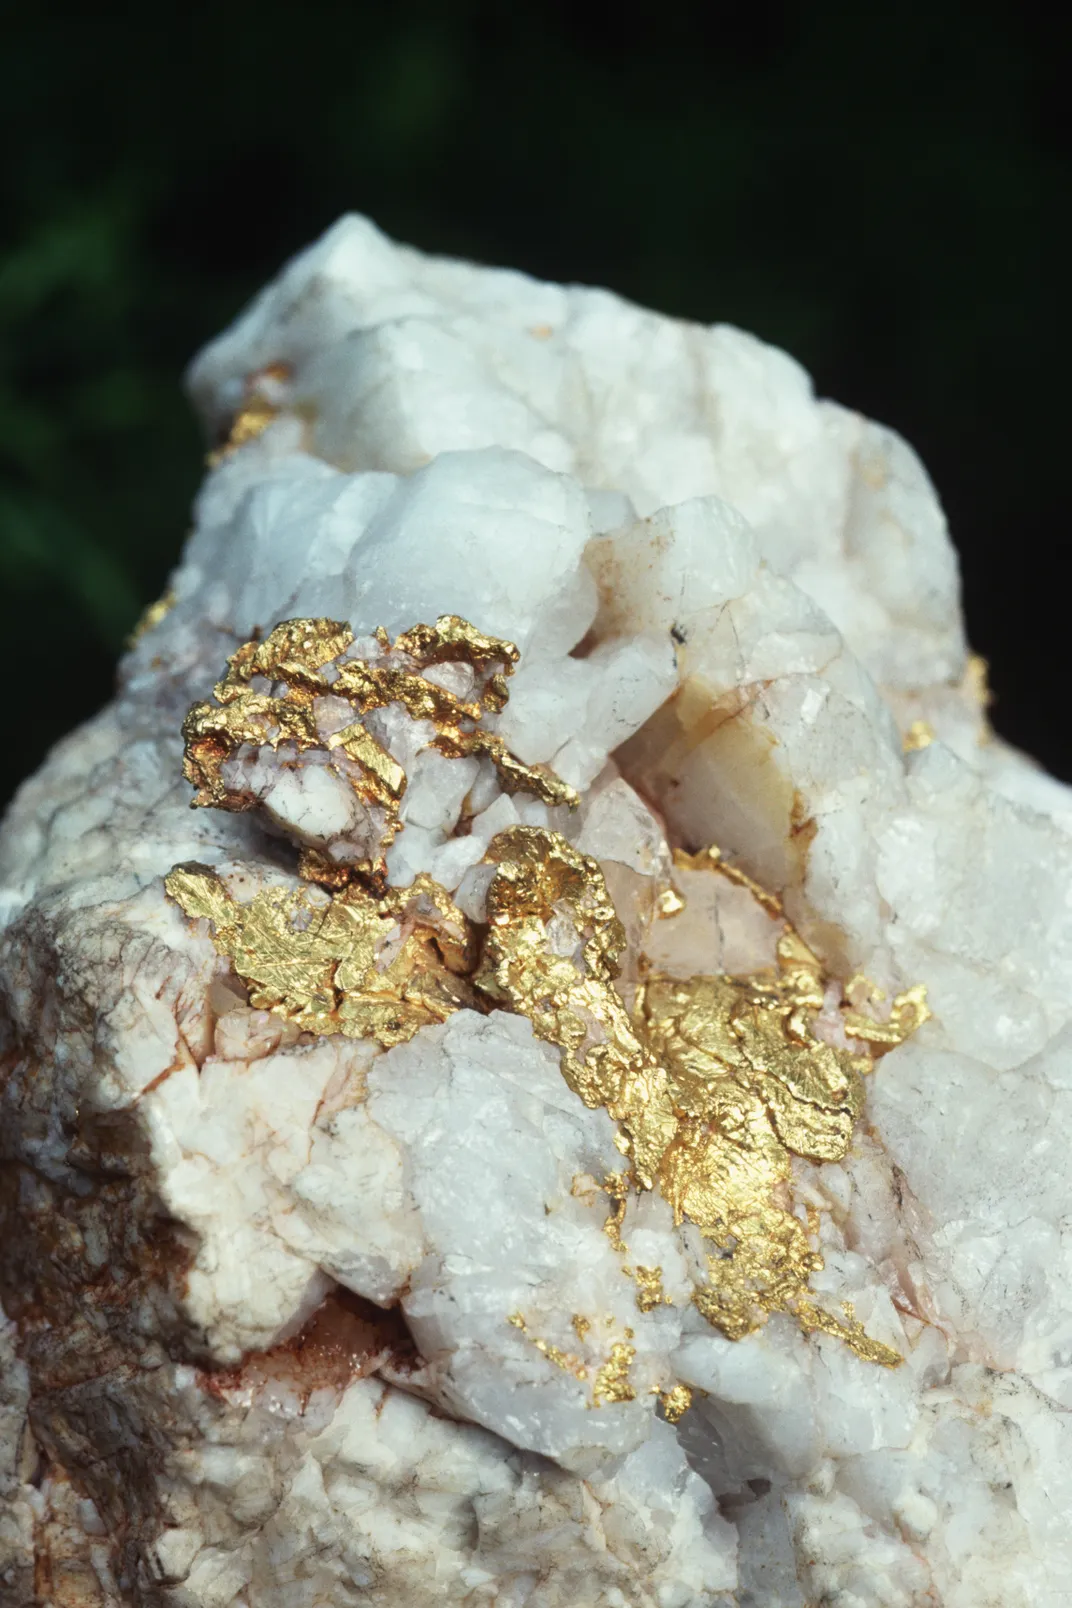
(878, 189)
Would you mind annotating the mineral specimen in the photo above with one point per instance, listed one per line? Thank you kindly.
(573, 1115)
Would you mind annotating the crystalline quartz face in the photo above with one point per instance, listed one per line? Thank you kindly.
(575, 1113)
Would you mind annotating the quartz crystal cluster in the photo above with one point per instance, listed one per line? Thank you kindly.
(536, 1037)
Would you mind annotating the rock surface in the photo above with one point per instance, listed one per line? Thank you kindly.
(299, 1316)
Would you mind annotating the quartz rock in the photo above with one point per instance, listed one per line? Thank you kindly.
(370, 1292)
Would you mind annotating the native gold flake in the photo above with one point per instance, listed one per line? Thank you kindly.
(862, 990)
(295, 653)
(616, 1188)
(349, 963)
(268, 698)
(849, 1330)
(454, 638)
(649, 1283)
(669, 903)
(152, 616)
(371, 687)
(715, 1082)
(566, 1360)
(710, 859)
(256, 412)
(200, 894)
(586, 1188)
(675, 1403)
(975, 683)
(570, 999)
(292, 656)
(920, 734)
(762, 1265)
(754, 1088)
(515, 776)
(908, 1011)
(612, 1383)
(316, 866)
(382, 777)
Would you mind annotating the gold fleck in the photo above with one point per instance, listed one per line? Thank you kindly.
(908, 1011)
(292, 656)
(649, 1282)
(584, 1187)
(861, 989)
(514, 776)
(316, 866)
(675, 1403)
(152, 616)
(920, 734)
(561, 1359)
(849, 1330)
(669, 903)
(976, 682)
(616, 1186)
(612, 1383)
(710, 859)
(581, 1325)
(256, 412)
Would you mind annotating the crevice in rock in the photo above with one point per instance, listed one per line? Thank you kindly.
(345, 1339)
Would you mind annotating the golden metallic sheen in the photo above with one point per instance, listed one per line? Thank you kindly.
(649, 1283)
(349, 963)
(715, 1082)
(920, 734)
(616, 1188)
(151, 617)
(813, 1317)
(612, 1383)
(552, 952)
(276, 693)
(256, 412)
(710, 859)
(908, 1011)
(566, 1360)
(675, 1403)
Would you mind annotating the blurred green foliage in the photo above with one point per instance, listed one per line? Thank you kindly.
(879, 189)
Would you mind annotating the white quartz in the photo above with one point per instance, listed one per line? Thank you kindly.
(735, 600)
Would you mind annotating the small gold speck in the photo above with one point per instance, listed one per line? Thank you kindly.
(669, 903)
(920, 734)
(675, 1403)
